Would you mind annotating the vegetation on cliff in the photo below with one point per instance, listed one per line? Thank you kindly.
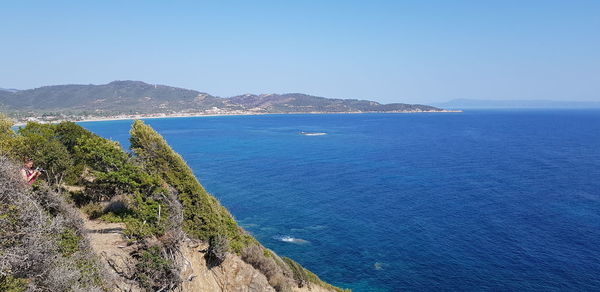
(151, 190)
(42, 246)
(204, 217)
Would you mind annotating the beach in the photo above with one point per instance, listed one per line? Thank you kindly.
(202, 114)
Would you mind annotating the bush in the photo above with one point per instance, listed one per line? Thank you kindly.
(155, 272)
(304, 277)
(40, 238)
(93, 210)
(68, 242)
(6, 126)
(299, 273)
(68, 133)
(39, 143)
(12, 284)
(99, 154)
(217, 250)
(7, 135)
(203, 216)
(278, 276)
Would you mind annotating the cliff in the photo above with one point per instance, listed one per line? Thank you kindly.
(102, 219)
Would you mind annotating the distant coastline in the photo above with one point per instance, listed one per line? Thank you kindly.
(129, 99)
(23, 122)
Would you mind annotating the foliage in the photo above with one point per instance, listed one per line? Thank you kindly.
(9, 141)
(68, 242)
(149, 218)
(40, 238)
(39, 143)
(99, 154)
(6, 127)
(93, 210)
(68, 133)
(204, 216)
(159, 196)
(304, 277)
(126, 180)
(279, 276)
(12, 284)
(154, 271)
(217, 250)
(298, 271)
(9, 219)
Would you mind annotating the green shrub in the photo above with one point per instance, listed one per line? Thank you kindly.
(9, 219)
(153, 271)
(68, 242)
(298, 272)
(6, 127)
(93, 210)
(40, 144)
(91, 274)
(7, 136)
(12, 284)
(204, 216)
(68, 133)
(217, 250)
(79, 198)
(99, 154)
(276, 274)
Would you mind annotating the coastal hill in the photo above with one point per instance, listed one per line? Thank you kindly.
(136, 97)
(104, 219)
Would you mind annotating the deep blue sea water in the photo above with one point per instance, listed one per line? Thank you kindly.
(480, 200)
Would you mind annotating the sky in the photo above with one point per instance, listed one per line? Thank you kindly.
(388, 51)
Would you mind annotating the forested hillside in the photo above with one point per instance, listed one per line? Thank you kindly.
(136, 97)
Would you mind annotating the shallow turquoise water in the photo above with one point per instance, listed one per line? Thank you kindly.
(482, 200)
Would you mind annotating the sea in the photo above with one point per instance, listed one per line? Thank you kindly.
(483, 200)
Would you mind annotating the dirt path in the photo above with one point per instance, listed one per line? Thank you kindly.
(108, 243)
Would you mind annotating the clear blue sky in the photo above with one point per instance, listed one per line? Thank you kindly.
(389, 51)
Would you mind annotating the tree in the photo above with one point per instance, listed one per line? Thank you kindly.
(68, 133)
(6, 127)
(7, 136)
(99, 154)
(40, 144)
(204, 216)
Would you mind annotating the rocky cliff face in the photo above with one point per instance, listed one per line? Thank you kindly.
(232, 275)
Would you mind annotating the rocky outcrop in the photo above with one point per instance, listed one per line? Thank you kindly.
(232, 275)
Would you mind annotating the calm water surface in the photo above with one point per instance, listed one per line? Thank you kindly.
(481, 200)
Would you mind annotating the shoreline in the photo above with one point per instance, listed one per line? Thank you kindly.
(180, 115)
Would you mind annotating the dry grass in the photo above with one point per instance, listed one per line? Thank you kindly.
(279, 276)
(30, 246)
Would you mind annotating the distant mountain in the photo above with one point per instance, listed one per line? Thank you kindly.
(8, 89)
(490, 104)
(115, 97)
(298, 102)
(136, 97)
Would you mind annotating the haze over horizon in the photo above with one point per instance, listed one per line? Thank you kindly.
(385, 51)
